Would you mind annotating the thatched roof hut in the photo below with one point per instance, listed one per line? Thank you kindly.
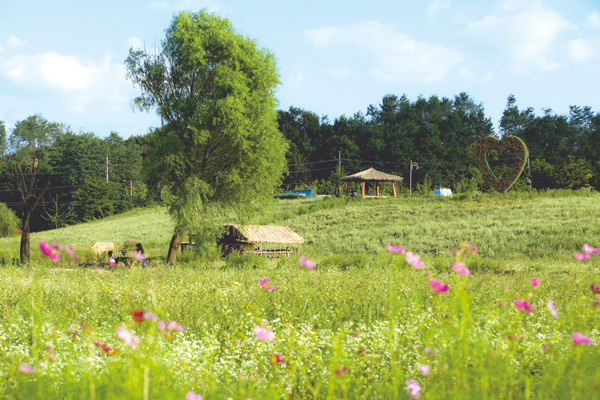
(372, 174)
(267, 234)
(266, 240)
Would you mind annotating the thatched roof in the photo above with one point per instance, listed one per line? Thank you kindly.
(268, 234)
(371, 174)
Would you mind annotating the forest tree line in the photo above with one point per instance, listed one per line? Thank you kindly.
(92, 177)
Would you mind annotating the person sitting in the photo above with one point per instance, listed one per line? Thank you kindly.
(140, 255)
(111, 259)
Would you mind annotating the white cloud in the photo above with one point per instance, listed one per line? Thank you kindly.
(438, 5)
(78, 85)
(135, 42)
(392, 56)
(594, 19)
(528, 32)
(14, 42)
(581, 50)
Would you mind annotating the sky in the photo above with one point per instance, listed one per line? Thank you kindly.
(64, 59)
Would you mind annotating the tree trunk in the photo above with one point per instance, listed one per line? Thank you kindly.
(25, 249)
(174, 248)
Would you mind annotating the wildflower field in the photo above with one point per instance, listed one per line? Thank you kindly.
(492, 298)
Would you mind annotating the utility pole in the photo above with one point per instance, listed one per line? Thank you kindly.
(416, 165)
(107, 168)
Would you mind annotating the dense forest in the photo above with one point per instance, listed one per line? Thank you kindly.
(91, 177)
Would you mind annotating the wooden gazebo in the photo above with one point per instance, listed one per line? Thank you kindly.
(370, 175)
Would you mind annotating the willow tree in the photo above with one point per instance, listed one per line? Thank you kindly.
(219, 145)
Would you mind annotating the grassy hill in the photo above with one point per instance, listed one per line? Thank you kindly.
(501, 227)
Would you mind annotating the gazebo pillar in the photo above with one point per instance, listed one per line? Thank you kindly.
(363, 189)
(377, 188)
(394, 188)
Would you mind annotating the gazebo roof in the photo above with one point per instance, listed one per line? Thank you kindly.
(268, 234)
(372, 174)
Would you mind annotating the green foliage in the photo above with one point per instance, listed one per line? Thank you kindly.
(8, 221)
(214, 90)
(95, 200)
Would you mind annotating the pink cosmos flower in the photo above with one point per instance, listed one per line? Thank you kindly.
(26, 368)
(458, 252)
(161, 326)
(523, 306)
(193, 396)
(127, 337)
(263, 283)
(71, 251)
(534, 282)
(263, 334)
(581, 256)
(414, 390)
(396, 249)
(595, 289)
(172, 325)
(578, 338)
(460, 268)
(48, 251)
(552, 309)
(149, 316)
(424, 369)
(438, 286)
(305, 262)
(414, 260)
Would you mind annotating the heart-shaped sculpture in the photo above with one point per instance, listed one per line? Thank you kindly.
(511, 143)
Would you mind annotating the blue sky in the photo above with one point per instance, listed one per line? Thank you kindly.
(64, 59)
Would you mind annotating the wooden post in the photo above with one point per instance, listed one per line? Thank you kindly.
(394, 188)
(377, 188)
(363, 189)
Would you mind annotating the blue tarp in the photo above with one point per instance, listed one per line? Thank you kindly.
(305, 192)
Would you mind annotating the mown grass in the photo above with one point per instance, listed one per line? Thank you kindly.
(358, 326)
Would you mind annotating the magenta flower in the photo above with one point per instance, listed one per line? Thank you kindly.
(578, 338)
(424, 369)
(534, 282)
(161, 326)
(26, 369)
(305, 262)
(48, 251)
(460, 268)
(263, 283)
(414, 260)
(438, 286)
(414, 390)
(263, 334)
(193, 396)
(552, 309)
(523, 306)
(595, 289)
(581, 256)
(396, 249)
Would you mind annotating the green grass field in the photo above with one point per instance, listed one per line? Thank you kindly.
(360, 325)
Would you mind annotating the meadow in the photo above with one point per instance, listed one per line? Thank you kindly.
(364, 323)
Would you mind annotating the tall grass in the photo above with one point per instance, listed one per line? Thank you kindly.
(358, 326)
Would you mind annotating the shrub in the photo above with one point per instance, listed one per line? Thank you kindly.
(8, 221)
